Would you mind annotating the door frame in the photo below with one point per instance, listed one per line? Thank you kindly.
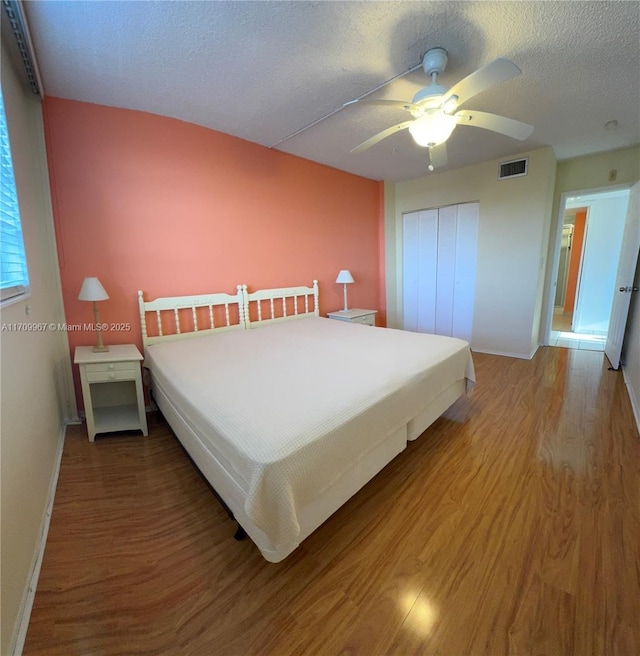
(566, 268)
(553, 280)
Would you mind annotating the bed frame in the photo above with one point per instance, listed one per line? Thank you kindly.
(185, 317)
(244, 311)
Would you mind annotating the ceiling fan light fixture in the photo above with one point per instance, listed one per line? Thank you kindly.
(434, 108)
(432, 130)
(450, 104)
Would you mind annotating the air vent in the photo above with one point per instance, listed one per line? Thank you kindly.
(516, 168)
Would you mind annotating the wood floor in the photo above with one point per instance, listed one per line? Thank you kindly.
(511, 527)
(562, 321)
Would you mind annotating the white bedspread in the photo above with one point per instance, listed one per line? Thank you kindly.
(288, 407)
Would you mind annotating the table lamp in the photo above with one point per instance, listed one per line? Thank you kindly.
(92, 290)
(345, 278)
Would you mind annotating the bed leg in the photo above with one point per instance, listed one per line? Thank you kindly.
(240, 534)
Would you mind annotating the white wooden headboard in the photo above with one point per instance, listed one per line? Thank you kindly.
(185, 317)
(267, 306)
(171, 322)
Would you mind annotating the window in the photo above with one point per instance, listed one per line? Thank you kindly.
(14, 277)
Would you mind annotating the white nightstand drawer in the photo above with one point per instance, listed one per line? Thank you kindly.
(111, 366)
(107, 376)
(368, 320)
(355, 315)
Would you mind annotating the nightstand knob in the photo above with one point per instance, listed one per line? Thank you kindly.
(112, 376)
(112, 366)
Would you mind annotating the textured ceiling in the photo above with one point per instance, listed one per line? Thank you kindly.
(263, 70)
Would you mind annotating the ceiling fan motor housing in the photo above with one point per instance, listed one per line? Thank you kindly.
(435, 61)
(433, 92)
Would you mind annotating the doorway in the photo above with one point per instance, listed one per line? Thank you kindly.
(590, 240)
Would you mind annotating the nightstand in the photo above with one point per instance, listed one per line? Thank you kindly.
(112, 389)
(355, 315)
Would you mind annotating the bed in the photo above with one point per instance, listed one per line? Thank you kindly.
(289, 421)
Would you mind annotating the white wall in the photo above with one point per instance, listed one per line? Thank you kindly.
(513, 233)
(35, 370)
(601, 252)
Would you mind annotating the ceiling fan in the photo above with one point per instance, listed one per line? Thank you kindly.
(434, 108)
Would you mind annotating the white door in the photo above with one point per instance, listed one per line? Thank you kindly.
(419, 261)
(465, 276)
(410, 260)
(427, 265)
(439, 266)
(446, 271)
(624, 279)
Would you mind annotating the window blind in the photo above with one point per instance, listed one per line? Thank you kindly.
(14, 276)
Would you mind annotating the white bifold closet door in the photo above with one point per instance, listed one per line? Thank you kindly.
(439, 269)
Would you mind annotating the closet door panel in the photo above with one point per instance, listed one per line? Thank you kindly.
(410, 259)
(465, 270)
(445, 277)
(427, 270)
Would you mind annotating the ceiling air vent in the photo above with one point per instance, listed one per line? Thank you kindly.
(516, 168)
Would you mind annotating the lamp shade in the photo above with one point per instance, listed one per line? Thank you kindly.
(92, 290)
(345, 276)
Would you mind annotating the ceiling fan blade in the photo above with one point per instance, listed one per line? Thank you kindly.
(438, 155)
(497, 71)
(400, 104)
(380, 136)
(501, 124)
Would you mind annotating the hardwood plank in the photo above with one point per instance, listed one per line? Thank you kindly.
(512, 526)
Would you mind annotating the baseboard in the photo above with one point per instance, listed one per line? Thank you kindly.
(521, 356)
(30, 592)
(635, 402)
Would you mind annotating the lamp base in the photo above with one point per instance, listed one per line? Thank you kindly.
(99, 347)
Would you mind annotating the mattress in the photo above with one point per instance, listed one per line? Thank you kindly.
(288, 408)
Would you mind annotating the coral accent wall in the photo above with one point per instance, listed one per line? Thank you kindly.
(579, 225)
(147, 202)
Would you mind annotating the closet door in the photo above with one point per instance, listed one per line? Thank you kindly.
(420, 256)
(439, 268)
(410, 258)
(465, 270)
(446, 270)
(427, 270)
